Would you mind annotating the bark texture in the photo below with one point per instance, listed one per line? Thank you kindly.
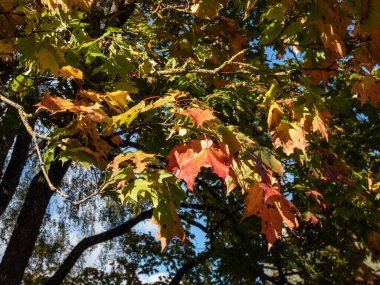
(14, 169)
(29, 221)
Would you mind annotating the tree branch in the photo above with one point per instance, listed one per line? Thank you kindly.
(194, 223)
(188, 266)
(85, 243)
(24, 119)
(200, 70)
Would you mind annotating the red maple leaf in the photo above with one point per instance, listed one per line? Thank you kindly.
(185, 161)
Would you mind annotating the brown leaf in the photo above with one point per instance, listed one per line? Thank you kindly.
(318, 197)
(56, 104)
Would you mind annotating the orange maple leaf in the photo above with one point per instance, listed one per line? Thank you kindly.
(274, 116)
(56, 104)
(369, 87)
(185, 161)
(199, 116)
(289, 136)
(273, 208)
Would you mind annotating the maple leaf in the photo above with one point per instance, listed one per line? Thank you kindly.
(289, 136)
(318, 197)
(274, 116)
(331, 167)
(118, 98)
(49, 58)
(199, 116)
(319, 122)
(369, 87)
(70, 72)
(369, 27)
(56, 104)
(332, 27)
(139, 158)
(207, 9)
(273, 208)
(185, 161)
(169, 224)
(67, 5)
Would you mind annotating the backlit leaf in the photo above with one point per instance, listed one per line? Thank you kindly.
(185, 161)
(70, 72)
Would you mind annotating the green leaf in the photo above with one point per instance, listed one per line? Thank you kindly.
(128, 117)
(229, 137)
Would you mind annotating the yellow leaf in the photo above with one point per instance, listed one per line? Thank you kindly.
(71, 72)
(274, 116)
(118, 98)
(67, 5)
(207, 9)
(48, 58)
(289, 136)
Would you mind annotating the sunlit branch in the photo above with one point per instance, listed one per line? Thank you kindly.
(24, 119)
(201, 70)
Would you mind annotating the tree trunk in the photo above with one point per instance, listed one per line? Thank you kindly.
(8, 130)
(29, 221)
(15, 167)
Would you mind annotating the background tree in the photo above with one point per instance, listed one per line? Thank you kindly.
(217, 120)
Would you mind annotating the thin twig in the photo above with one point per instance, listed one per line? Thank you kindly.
(201, 70)
(24, 119)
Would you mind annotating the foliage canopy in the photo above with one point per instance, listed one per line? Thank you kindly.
(240, 117)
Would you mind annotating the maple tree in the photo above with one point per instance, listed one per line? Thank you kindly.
(261, 115)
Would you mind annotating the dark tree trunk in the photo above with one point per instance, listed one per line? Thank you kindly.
(8, 131)
(25, 233)
(16, 164)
